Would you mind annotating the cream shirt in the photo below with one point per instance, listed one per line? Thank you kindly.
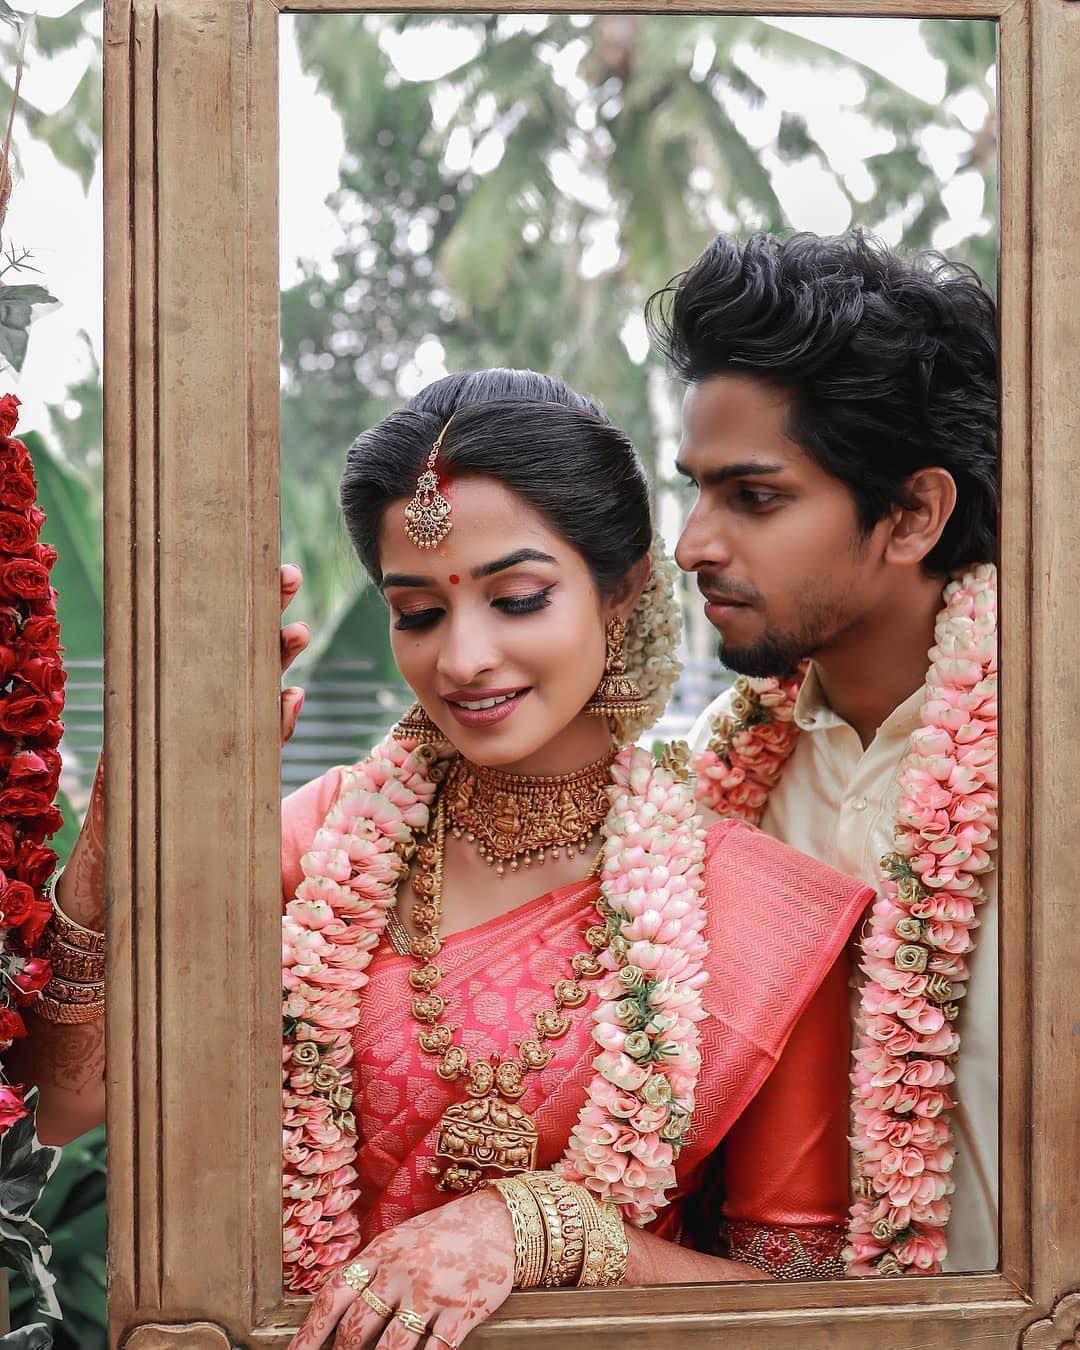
(837, 802)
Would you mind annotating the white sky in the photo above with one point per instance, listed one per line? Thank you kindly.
(51, 215)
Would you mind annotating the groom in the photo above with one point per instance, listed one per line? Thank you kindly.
(840, 431)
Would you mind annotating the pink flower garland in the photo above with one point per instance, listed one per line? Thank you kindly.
(748, 751)
(921, 931)
(631, 1128)
(328, 933)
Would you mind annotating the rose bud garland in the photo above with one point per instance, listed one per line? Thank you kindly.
(31, 702)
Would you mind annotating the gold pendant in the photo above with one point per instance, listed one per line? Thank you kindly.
(483, 1133)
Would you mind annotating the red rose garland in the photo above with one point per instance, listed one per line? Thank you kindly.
(31, 701)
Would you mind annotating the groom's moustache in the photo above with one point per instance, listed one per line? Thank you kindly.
(727, 592)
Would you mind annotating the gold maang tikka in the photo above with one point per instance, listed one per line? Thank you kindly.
(427, 516)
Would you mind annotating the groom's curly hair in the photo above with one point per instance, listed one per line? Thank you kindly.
(890, 361)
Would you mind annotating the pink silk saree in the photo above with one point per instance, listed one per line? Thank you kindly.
(775, 1046)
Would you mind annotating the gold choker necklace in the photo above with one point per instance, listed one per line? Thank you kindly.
(514, 818)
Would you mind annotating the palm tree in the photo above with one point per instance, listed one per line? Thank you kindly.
(566, 130)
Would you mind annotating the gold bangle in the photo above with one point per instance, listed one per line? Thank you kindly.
(66, 929)
(64, 991)
(592, 1268)
(72, 964)
(68, 1014)
(530, 1247)
(617, 1253)
(561, 1208)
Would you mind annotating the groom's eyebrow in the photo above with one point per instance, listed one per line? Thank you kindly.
(751, 468)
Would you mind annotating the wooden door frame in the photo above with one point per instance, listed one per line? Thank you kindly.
(191, 501)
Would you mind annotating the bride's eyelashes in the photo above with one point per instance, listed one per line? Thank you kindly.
(508, 604)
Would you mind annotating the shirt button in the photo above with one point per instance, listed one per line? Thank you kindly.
(859, 804)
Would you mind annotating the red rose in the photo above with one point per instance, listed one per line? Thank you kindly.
(11, 1106)
(32, 928)
(12, 1027)
(38, 828)
(7, 847)
(24, 578)
(30, 770)
(9, 623)
(17, 534)
(51, 736)
(44, 554)
(29, 975)
(9, 414)
(42, 634)
(25, 805)
(26, 714)
(46, 605)
(35, 864)
(8, 662)
(17, 486)
(44, 674)
(16, 903)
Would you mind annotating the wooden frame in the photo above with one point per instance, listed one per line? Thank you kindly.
(191, 557)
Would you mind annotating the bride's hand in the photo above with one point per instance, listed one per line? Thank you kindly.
(294, 638)
(452, 1266)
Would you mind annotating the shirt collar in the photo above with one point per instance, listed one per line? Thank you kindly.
(813, 713)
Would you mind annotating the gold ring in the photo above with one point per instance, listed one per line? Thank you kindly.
(375, 1303)
(356, 1276)
(412, 1320)
(451, 1344)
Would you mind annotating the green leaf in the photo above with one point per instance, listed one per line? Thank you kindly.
(54, 36)
(24, 1247)
(36, 1336)
(25, 1165)
(16, 311)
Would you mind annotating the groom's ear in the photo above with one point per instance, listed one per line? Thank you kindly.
(628, 592)
(917, 526)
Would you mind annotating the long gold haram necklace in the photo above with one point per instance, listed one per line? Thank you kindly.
(489, 1131)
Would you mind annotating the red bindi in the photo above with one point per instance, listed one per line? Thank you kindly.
(454, 578)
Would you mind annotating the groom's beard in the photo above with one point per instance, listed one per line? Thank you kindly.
(778, 652)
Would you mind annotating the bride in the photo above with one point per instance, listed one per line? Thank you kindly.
(527, 993)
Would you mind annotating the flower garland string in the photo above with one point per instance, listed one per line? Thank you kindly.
(31, 701)
(922, 926)
(638, 1105)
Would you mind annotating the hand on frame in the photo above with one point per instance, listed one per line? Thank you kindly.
(447, 1271)
(294, 638)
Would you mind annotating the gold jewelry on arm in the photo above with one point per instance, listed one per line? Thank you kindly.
(530, 1237)
(76, 992)
(586, 1242)
(66, 930)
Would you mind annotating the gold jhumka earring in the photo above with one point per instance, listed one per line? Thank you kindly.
(617, 694)
(427, 516)
(416, 725)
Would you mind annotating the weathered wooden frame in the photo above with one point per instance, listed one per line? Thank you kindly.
(191, 503)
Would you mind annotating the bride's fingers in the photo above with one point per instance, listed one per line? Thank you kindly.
(291, 577)
(292, 700)
(363, 1326)
(294, 638)
(331, 1302)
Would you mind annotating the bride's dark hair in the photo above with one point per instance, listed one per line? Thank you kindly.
(549, 445)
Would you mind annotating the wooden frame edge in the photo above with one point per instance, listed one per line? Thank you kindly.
(187, 249)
